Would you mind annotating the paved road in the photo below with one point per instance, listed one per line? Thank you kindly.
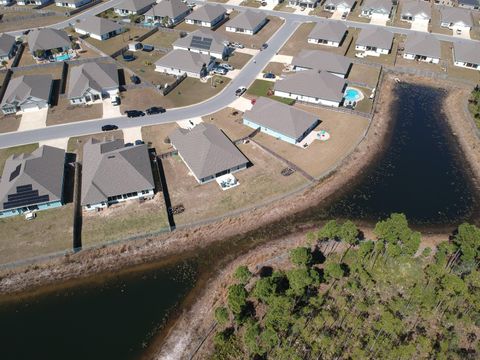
(222, 100)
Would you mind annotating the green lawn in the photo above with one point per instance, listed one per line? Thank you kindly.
(6, 153)
(261, 88)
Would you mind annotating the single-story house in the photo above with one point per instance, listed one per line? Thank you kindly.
(466, 54)
(91, 82)
(248, 22)
(113, 173)
(469, 4)
(322, 60)
(7, 47)
(374, 41)
(133, 7)
(379, 9)
(179, 62)
(208, 15)
(313, 86)
(203, 41)
(167, 13)
(98, 28)
(27, 93)
(32, 2)
(328, 33)
(207, 152)
(308, 4)
(416, 10)
(73, 4)
(422, 47)
(44, 43)
(455, 18)
(339, 5)
(32, 182)
(279, 120)
(5, 2)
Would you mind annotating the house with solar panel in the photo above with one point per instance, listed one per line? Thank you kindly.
(72, 4)
(167, 13)
(328, 33)
(281, 121)
(466, 55)
(423, 47)
(209, 15)
(207, 152)
(248, 22)
(27, 93)
(204, 41)
(322, 60)
(32, 182)
(113, 173)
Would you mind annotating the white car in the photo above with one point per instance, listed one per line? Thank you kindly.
(226, 66)
(220, 71)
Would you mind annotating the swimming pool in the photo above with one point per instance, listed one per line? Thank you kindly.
(352, 94)
(62, 57)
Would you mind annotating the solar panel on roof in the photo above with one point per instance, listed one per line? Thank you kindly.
(24, 188)
(201, 43)
(15, 172)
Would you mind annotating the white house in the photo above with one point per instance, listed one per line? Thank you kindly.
(312, 86)
(416, 10)
(32, 2)
(72, 4)
(179, 62)
(167, 13)
(133, 7)
(374, 41)
(91, 82)
(209, 15)
(377, 9)
(248, 22)
(456, 18)
(322, 60)
(422, 47)
(98, 28)
(307, 4)
(344, 6)
(203, 41)
(466, 55)
(7, 47)
(328, 33)
(27, 93)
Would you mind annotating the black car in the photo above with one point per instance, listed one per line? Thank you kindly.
(139, 142)
(264, 46)
(135, 79)
(155, 110)
(269, 75)
(134, 113)
(109, 127)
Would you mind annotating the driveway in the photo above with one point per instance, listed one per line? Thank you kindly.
(284, 59)
(58, 143)
(337, 15)
(233, 73)
(267, 7)
(420, 25)
(241, 104)
(132, 134)
(33, 120)
(462, 33)
(248, 51)
(110, 111)
(189, 123)
(234, 2)
(378, 20)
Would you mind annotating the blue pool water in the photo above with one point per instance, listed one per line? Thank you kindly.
(352, 94)
(62, 57)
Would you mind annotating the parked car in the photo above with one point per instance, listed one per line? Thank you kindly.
(240, 91)
(344, 15)
(109, 127)
(134, 113)
(227, 66)
(116, 101)
(128, 144)
(135, 79)
(220, 70)
(155, 110)
(264, 3)
(147, 48)
(264, 46)
(238, 45)
(269, 75)
(139, 142)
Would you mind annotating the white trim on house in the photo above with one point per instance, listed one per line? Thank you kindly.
(306, 98)
(323, 42)
(71, 5)
(372, 50)
(422, 58)
(145, 194)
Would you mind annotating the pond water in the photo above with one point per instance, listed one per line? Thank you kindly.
(420, 174)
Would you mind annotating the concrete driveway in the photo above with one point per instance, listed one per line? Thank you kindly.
(189, 123)
(337, 15)
(110, 111)
(33, 120)
(132, 134)
(58, 143)
(461, 33)
(242, 104)
(420, 25)
(248, 51)
(284, 59)
(378, 20)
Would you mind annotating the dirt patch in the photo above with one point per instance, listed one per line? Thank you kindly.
(364, 74)
(75, 144)
(64, 112)
(230, 121)
(156, 136)
(9, 123)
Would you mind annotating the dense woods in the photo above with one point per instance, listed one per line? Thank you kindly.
(345, 297)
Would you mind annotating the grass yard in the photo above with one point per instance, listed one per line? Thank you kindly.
(17, 150)
(124, 220)
(24, 22)
(345, 130)
(50, 231)
(456, 72)
(230, 121)
(64, 112)
(389, 59)
(364, 74)
(257, 183)
(156, 135)
(320, 12)
(9, 123)
(274, 68)
(396, 21)
(434, 25)
(143, 65)
(283, 6)
(354, 15)
(238, 60)
(75, 144)
(111, 45)
(54, 70)
(251, 3)
(261, 88)
(162, 39)
(366, 104)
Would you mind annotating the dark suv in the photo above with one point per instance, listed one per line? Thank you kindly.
(134, 113)
(155, 110)
(109, 127)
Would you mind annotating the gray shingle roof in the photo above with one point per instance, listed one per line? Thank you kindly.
(6, 43)
(206, 150)
(98, 26)
(349, 3)
(322, 60)
(184, 60)
(313, 83)
(217, 43)
(466, 52)
(110, 169)
(384, 6)
(416, 7)
(423, 44)
(376, 36)
(207, 13)
(331, 31)
(47, 39)
(43, 169)
(455, 15)
(97, 76)
(469, 2)
(134, 5)
(170, 8)
(247, 20)
(21, 88)
(282, 118)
